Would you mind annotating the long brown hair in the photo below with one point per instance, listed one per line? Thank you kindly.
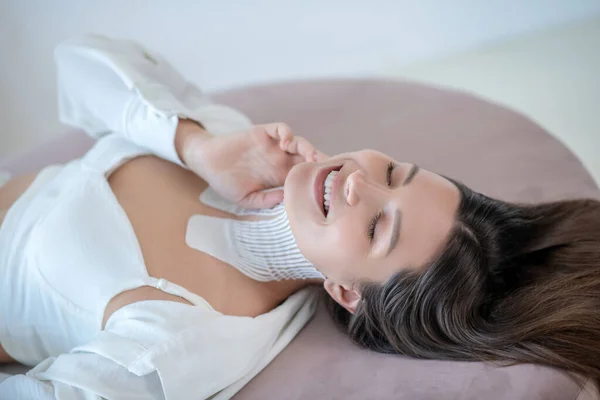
(515, 283)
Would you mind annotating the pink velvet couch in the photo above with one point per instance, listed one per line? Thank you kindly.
(490, 148)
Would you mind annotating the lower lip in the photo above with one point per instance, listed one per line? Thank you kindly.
(318, 188)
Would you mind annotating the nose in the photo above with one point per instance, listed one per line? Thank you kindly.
(359, 188)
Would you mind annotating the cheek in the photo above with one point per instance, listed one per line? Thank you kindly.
(337, 251)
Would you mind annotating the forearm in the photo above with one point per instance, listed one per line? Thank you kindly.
(188, 131)
(112, 86)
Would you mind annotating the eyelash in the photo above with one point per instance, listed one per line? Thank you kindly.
(377, 217)
(373, 224)
(388, 176)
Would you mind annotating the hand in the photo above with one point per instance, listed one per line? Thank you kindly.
(242, 165)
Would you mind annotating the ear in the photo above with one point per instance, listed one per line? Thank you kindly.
(343, 294)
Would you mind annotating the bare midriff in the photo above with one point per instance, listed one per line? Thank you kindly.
(159, 198)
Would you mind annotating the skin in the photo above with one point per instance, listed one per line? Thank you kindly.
(151, 186)
(156, 193)
(339, 244)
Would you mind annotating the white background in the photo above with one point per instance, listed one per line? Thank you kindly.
(222, 44)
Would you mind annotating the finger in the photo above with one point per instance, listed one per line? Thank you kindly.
(297, 159)
(262, 199)
(290, 143)
(301, 146)
(280, 132)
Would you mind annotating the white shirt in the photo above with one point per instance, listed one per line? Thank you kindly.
(117, 91)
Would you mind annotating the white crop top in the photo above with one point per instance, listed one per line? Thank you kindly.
(65, 262)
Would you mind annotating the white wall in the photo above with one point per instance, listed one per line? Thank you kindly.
(226, 43)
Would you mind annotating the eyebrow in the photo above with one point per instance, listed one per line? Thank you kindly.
(411, 174)
(395, 231)
(398, 215)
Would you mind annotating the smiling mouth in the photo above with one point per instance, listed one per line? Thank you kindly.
(328, 191)
(324, 188)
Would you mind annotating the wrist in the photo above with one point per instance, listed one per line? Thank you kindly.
(189, 134)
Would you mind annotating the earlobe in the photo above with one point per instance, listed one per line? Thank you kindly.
(344, 296)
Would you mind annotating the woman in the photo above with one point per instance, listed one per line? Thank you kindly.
(416, 263)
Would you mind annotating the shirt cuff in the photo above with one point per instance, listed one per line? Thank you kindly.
(151, 128)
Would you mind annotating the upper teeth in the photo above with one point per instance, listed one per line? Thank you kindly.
(327, 189)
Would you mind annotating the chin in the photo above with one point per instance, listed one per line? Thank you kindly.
(295, 182)
(290, 191)
(295, 195)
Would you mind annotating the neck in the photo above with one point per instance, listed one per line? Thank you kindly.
(263, 249)
(278, 291)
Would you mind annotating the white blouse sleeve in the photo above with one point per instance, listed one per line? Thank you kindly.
(80, 376)
(107, 85)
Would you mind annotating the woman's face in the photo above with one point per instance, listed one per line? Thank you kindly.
(383, 215)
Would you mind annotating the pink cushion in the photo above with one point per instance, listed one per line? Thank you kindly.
(490, 148)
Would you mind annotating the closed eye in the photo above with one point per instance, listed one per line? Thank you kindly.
(388, 177)
(390, 169)
(373, 225)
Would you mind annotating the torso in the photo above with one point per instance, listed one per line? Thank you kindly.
(159, 197)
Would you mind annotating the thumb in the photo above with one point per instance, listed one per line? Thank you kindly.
(262, 199)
